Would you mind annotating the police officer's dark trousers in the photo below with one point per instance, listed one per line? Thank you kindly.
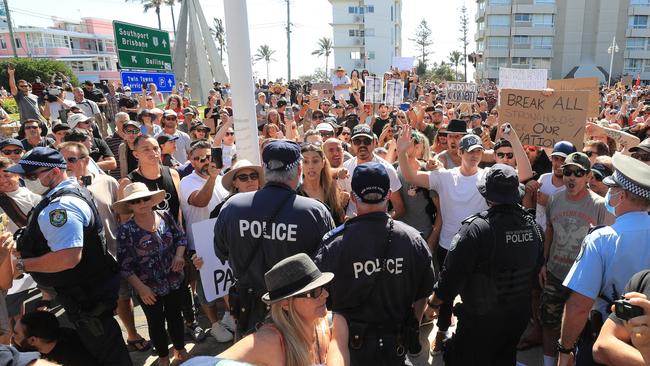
(444, 316)
(378, 349)
(490, 339)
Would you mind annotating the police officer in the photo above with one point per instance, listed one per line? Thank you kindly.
(609, 257)
(256, 230)
(492, 263)
(383, 274)
(63, 246)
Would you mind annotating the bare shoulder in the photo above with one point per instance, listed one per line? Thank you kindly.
(264, 347)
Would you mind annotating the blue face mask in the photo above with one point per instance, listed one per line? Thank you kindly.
(611, 209)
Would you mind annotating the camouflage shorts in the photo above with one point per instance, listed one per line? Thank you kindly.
(554, 295)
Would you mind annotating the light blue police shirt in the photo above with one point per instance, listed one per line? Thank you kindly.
(62, 221)
(610, 256)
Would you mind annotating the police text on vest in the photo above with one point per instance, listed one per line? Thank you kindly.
(277, 231)
(519, 236)
(393, 266)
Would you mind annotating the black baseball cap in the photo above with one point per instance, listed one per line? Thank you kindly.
(370, 182)
(165, 138)
(362, 130)
(470, 142)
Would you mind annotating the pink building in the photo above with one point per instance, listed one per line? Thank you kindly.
(87, 47)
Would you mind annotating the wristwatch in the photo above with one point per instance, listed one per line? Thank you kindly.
(20, 264)
(562, 349)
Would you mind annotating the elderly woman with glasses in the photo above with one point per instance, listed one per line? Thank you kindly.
(299, 331)
(150, 254)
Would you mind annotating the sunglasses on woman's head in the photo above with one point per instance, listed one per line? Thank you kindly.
(138, 200)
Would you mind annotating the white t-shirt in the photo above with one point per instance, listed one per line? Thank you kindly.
(26, 200)
(343, 93)
(346, 184)
(546, 180)
(194, 214)
(459, 199)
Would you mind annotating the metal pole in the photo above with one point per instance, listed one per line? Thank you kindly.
(288, 43)
(611, 61)
(11, 29)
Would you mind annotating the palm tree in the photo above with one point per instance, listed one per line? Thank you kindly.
(171, 6)
(264, 53)
(151, 4)
(455, 58)
(219, 33)
(324, 49)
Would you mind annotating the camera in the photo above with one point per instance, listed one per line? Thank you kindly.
(51, 94)
(626, 311)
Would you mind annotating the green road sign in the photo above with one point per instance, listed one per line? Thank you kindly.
(142, 48)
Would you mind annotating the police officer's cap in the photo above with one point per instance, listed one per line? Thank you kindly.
(38, 157)
(370, 182)
(293, 276)
(500, 185)
(281, 155)
(632, 175)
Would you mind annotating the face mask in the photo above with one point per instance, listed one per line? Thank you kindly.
(611, 209)
(128, 94)
(36, 186)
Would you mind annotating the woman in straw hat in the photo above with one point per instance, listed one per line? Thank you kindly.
(299, 331)
(150, 254)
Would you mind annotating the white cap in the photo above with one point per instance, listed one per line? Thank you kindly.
(325, 127)
(76, 119)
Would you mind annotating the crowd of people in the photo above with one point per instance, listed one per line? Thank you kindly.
(362, 225)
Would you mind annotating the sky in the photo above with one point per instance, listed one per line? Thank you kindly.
(267, 21)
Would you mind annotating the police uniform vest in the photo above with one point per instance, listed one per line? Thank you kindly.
(164, 182)
(96, 263)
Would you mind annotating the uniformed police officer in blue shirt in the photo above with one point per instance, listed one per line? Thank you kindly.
(63, 246)
(609, 257)
(492, 263)
(256, 230)
(383, 274)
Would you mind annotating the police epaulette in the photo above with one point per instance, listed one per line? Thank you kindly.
(594, 228)
(334, 232)
(482, 214)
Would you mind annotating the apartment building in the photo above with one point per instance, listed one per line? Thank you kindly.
(367, 33)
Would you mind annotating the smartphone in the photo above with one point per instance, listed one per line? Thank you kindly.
(144, 86)
(217, 157)
(405, 106)
(87, 180)
(626, 311)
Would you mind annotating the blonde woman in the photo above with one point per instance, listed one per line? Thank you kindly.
(300, 330)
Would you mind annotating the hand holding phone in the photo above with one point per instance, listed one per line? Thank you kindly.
(626, 311)
(217, 157)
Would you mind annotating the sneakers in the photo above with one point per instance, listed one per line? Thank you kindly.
(196, 332)
(220, 333)
(436, 345)
(228, 321)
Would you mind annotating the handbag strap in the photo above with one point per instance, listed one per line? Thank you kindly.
(12, 210)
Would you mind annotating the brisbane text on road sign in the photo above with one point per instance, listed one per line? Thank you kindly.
(142, 48)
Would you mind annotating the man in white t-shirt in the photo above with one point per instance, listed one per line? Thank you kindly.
(341, 84)
(363, 145)
(459, 199)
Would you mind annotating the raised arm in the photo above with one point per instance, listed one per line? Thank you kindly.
(404, 142)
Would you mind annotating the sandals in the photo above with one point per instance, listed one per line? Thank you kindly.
(139, 345)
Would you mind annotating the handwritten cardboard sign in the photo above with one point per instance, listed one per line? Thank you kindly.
(325, 90)
(216, 276)
(528, 79)
(590, 84)
(374, 90)
(544, 120)
(394, 92)
(461, 92)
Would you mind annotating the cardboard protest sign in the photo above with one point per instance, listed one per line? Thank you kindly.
(590, 84)
(403, 63)
(394, 92)
(216, 275)
(527, 79)
(542, 121)
(325, 90)
(461, 92)
(374, 90)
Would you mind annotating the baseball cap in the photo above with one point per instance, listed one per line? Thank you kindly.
(131, 123)
(77, 118)
(10, 142)
(362, 130)
(578, 159)
(188, 110)
(563, 149)
(325, 127)
(169, 113)
(281, 155)
(601, 171)
(60, 127)
(370, 182)
(470, 142)
(165, 138)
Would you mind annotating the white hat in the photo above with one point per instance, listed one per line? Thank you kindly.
(325, 127)
(134, 191)
(76, 119)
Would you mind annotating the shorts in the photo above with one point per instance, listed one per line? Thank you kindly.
(125, 291)
(201, 295)
(554, 296)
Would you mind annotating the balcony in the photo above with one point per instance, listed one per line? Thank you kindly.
(637, 32)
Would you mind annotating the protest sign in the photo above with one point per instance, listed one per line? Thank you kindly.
(461, 92)
(403, 63)
(544, 120)
(374, 90)
(527, 79)
(590, 84)
(216, 275)
(325, 90)
(394, 92)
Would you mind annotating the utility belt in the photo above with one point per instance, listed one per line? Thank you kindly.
(392, 339)
(247, 307)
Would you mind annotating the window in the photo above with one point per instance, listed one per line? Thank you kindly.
(371, 55)
(633, 64)
(523, 18)
(480, 46)
(493, 63)
(545, 43)
(519, 40)
(497, 42)
(352, 9)
(3, 43)
(481, 5)
(635, 43)
(370, 9)
(391, 13)
(639, 2)
(499, 2)
(498, 21)
(520, 61)
(355, 55)
(481, 26)
(638, 21)
(543, 20)
(19, 44)
(541, 63)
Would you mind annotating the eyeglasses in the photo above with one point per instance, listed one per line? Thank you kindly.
(246, 177)
(31, 127)
(641, 157)
(501, 155)
(578, 173)
(202, 159)
(73, 159)
(34, 175)
(362, 141)
(230, 134)
(12, 151)
(138, 200)
(345, 133)
(313, 294)
(132, 132)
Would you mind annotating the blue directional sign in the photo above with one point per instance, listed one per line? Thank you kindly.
(134, 79)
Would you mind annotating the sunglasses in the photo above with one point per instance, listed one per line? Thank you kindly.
(22, 86)
(345, 133)
(313, 294)
(501, 155)
(149, 98)
(246, 177)
(641, 157)
(33, 176)
(230, 134)
(12, 151)
(31, 127)
(589, 153)
(578, 173)
(138, 200)
(73, 159)
(202, 159)
(132, 132)
(326, 133)
(362, 141)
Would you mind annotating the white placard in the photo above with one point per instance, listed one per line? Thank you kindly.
(374, 90)
(461, 92)
(394, 92)
(403, 63)
(528, 79)
(216, 276)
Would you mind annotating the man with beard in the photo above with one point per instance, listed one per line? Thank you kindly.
(455, 131)
(170, 125)
(363, 145)
(33, 136)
